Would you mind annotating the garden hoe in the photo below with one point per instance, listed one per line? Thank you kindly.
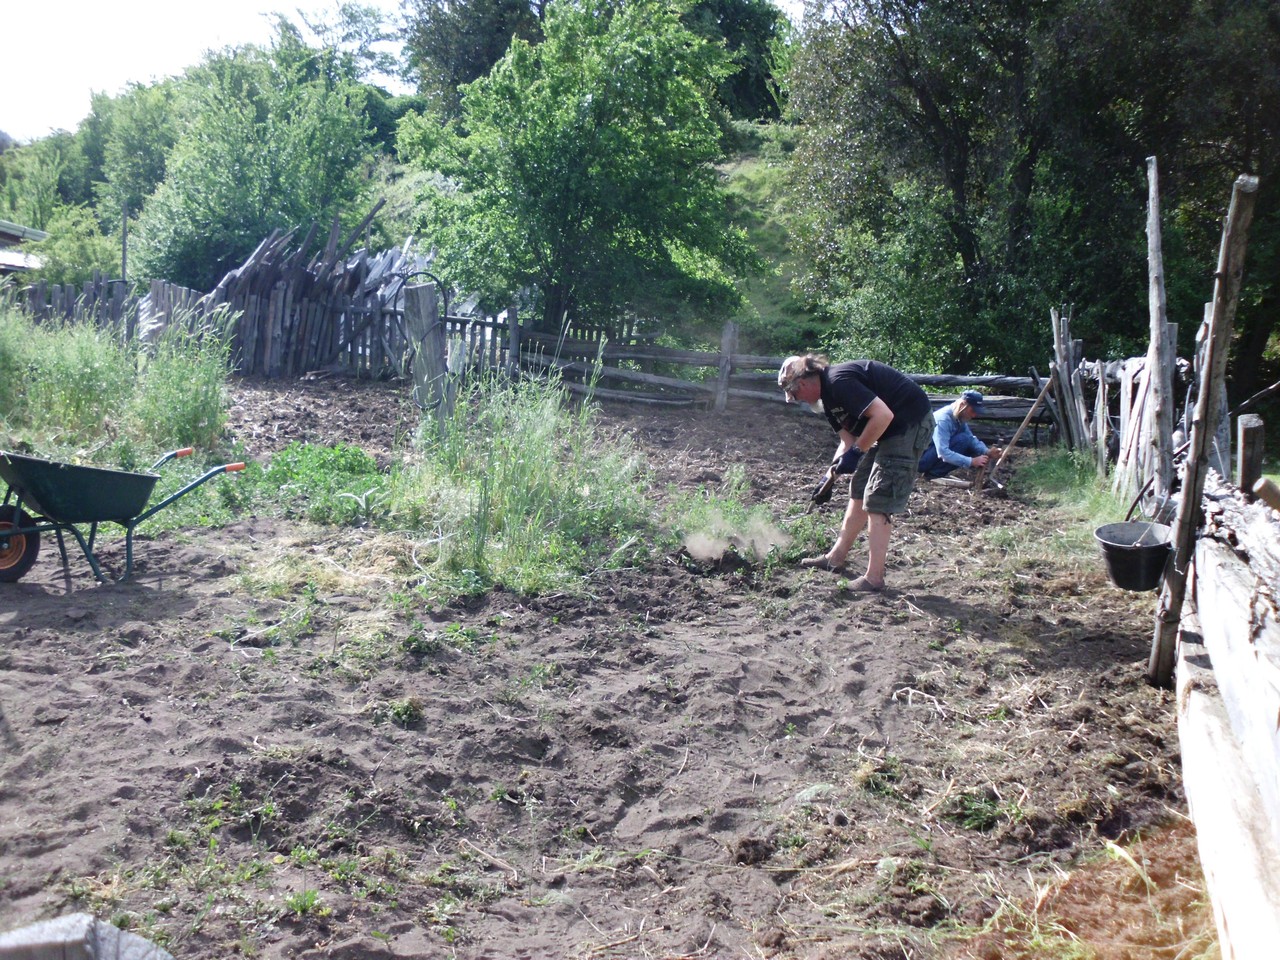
(988, 476)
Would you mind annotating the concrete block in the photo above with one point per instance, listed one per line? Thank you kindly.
(77, 936)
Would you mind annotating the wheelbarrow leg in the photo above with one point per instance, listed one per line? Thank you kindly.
(87, 548)
(128, 554)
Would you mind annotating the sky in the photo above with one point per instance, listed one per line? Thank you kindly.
(57, 52)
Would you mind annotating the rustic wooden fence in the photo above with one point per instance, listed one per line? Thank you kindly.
(1228, 697)
(343, 311)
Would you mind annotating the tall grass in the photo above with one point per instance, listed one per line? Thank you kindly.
(519, 488)
(1067, 485)
(75, 391)
(64, 383)
(180, 394)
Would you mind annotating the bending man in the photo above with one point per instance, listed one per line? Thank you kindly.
(883, 421)
(954, 444)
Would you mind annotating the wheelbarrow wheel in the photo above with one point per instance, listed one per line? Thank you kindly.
(17, 551)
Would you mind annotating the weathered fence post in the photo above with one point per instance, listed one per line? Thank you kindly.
(1101, 418)
(728, 344)
(1160, 355)
(1226, 292)
(1250, 442)
(427, 348)
(513, 342)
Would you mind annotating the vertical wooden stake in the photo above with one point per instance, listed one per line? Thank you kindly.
(427, 346)
(728, 344)
(513, 342)
(1160, 359)
(1226, 292)
(1250, 441)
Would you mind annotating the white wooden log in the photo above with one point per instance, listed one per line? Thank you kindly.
(1237, 843)
(1243, 640)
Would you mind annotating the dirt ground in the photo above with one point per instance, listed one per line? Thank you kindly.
(267, 745)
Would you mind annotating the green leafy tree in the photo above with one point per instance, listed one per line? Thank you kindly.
(32, 175)
(1015, 133)
(76, 248)
(749, 30)
(139, 131)
(450, 43)
(582, 168)
(361, 34)
(921, 118)
(271, 139)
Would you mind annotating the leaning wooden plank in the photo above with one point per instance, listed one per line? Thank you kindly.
(1086, 434)
(1238, 848)
(361, 227)
(628, 396)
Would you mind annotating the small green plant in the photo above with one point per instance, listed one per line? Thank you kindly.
(404, 712)
(977, 811)
(337, 485)
(304, 902)
(880, 776)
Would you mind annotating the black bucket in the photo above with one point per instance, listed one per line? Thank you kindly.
(1135, 551)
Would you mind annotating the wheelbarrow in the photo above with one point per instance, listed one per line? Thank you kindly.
(46, 495)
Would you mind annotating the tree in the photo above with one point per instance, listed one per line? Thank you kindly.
(1015, 133)
(31, 176)
(271, 139)
(921, 118)
(361, 33)
(451, 43)
(749, 30)
(75, 249)
(140, 130)
(582, 168)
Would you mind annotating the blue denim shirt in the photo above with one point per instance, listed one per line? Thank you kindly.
(954, 445)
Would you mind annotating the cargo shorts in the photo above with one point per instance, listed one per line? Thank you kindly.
(886, 475)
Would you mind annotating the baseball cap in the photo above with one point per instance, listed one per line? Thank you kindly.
(974, 399)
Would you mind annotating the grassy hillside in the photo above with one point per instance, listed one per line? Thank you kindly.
(774, 320)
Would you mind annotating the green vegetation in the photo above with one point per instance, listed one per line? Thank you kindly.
(965, 166)
(1067, 483)
(75, 392)
(520, 489)
(920, 183)
(516, 487)
(773, 318)
(581, 167)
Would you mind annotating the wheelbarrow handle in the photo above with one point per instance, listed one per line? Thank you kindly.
(203, 478)
(184, 452)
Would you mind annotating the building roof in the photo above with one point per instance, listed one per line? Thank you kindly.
(11, 233)
(11, 261)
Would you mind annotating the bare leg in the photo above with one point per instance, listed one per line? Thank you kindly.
(881, 525)
(855, 520)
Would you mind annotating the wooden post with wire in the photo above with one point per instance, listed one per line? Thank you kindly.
(1208, 410)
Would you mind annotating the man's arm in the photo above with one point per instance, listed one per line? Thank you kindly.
(965, 442)
(947, 433)
(878, 417)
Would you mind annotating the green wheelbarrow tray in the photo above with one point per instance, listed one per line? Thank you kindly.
(46, 495)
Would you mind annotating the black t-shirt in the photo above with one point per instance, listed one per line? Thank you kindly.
(848, 389)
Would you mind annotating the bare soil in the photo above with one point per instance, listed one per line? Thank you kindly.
(702, 758)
